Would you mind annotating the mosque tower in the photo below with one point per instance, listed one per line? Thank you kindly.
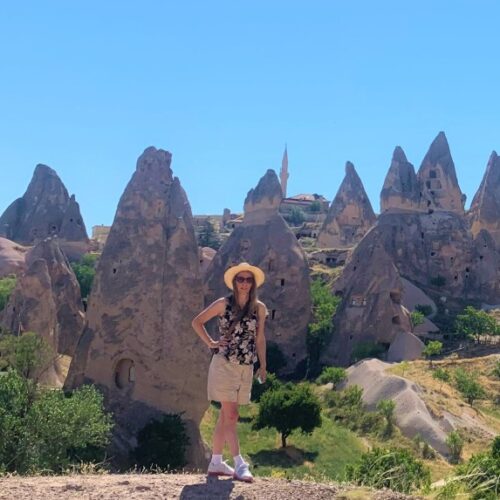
(284, 172)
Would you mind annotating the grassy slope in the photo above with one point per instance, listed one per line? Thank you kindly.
(323, 454)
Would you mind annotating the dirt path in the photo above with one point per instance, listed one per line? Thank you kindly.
(175, 486)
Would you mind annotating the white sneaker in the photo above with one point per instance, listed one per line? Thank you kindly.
(221, 469)
(242, 473)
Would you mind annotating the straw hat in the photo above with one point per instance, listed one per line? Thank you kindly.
(258, 274)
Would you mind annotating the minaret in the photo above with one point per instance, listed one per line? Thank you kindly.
(284, 172)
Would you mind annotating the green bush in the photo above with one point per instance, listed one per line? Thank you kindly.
(162, 443)
(455, 444)
(395, 469)
(432, 349)
(46, 430)
(496, 369)
(467, 383)
(259, 389)
(441, 374)
(386, 408)
(332, 374)
(85, 273)
(417, 318)
(473, 323)
(287, 408)
(7, 285)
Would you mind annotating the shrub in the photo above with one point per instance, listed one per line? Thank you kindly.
(455, 444)
(296, 217)
(496, 369)
(332, 374)
(394, 469)
(417, 318)
(287, 408)
(7, 285)
(467, 384)
(441, 374)
(208, 236)
(473, 323)
(162, 443)
(85, 273)
(433, 348)
(259, 389)
(386, 408)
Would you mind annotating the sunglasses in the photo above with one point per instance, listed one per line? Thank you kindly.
(241, 279)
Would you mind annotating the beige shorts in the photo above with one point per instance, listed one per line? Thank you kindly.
(229, 381)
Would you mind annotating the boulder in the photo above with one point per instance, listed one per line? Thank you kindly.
(401, 188)
(405, 347)
(350, 214)
(264, 239)
(44, 210)
(138, 345)
(438, 179)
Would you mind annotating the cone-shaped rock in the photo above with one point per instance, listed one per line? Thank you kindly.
(485, 208)
(263, 239)
(401, 189)
(44, 210)
(438, 179)
(350, 214)
(138, 345)
(370, 312)
(47, 301)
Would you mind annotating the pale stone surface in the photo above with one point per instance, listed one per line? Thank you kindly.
(414, 296)
(438, 179)
(405, 346)
(401, 187)
(411, 413)
(350, 215)
(138, 345)
(44, 210)
(485, 208)
(371, 309)
(264, 240)
(207, 254)
(47, 301)
(12, 257)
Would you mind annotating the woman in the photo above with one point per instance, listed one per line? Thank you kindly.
(241, 342)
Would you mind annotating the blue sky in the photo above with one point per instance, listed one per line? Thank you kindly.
(86, 86)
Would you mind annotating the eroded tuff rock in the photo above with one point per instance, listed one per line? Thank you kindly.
(350, 214)
(46, 300)
(438, 179)
(138, 345)
(371, 310)
(401, 187)
(263, 239)
(12, 257)
(44, 210)
(484, 212)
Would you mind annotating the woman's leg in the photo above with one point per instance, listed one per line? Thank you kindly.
(219, 435)
(229, 412)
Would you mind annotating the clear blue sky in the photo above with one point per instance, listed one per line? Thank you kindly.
(86, 86)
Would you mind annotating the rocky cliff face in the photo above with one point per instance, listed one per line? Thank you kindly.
(401, 187)
(138, 345)
(47, 301)
(264, 240)
(484, 212)
(12, 257)
(438, 179)
(44, 210)
(350, 214)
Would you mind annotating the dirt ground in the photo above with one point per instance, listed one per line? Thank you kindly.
(176, 486)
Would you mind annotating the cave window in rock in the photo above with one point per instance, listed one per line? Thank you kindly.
(358, 301)
(428, 184)
(395, 296)
(273, 314)
(245, 244)
(282, 282)
(396, 320)
(432, 174)
(124, 374)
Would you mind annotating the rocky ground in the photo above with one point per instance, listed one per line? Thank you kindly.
(177, 486)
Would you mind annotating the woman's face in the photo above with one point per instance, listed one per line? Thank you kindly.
(244, 281)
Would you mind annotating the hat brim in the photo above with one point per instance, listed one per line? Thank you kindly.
(258, 274)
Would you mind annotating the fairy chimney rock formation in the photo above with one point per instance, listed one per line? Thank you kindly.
(401, 189)
(485, 208)
(44, 210)
(138, 345)
(46, 300)
(371, 311)
(350, 214)
(438, 179)
(264, 239)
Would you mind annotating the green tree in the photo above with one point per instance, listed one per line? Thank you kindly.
(320, 330)
(467, 383)
(208, 236)
(85, 272)
(162, 443)
(7, 285)
(473, 323)
(417, 318)
(455, 444)
(332, 374)
(433, 348)
(395, 469)
(296, 216)
(386, 408)
(287, 408)
(315, 206)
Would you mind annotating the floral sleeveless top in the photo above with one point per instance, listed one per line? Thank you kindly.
(241, 347)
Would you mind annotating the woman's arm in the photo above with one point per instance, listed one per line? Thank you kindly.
(214, 309)
(261, 341)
